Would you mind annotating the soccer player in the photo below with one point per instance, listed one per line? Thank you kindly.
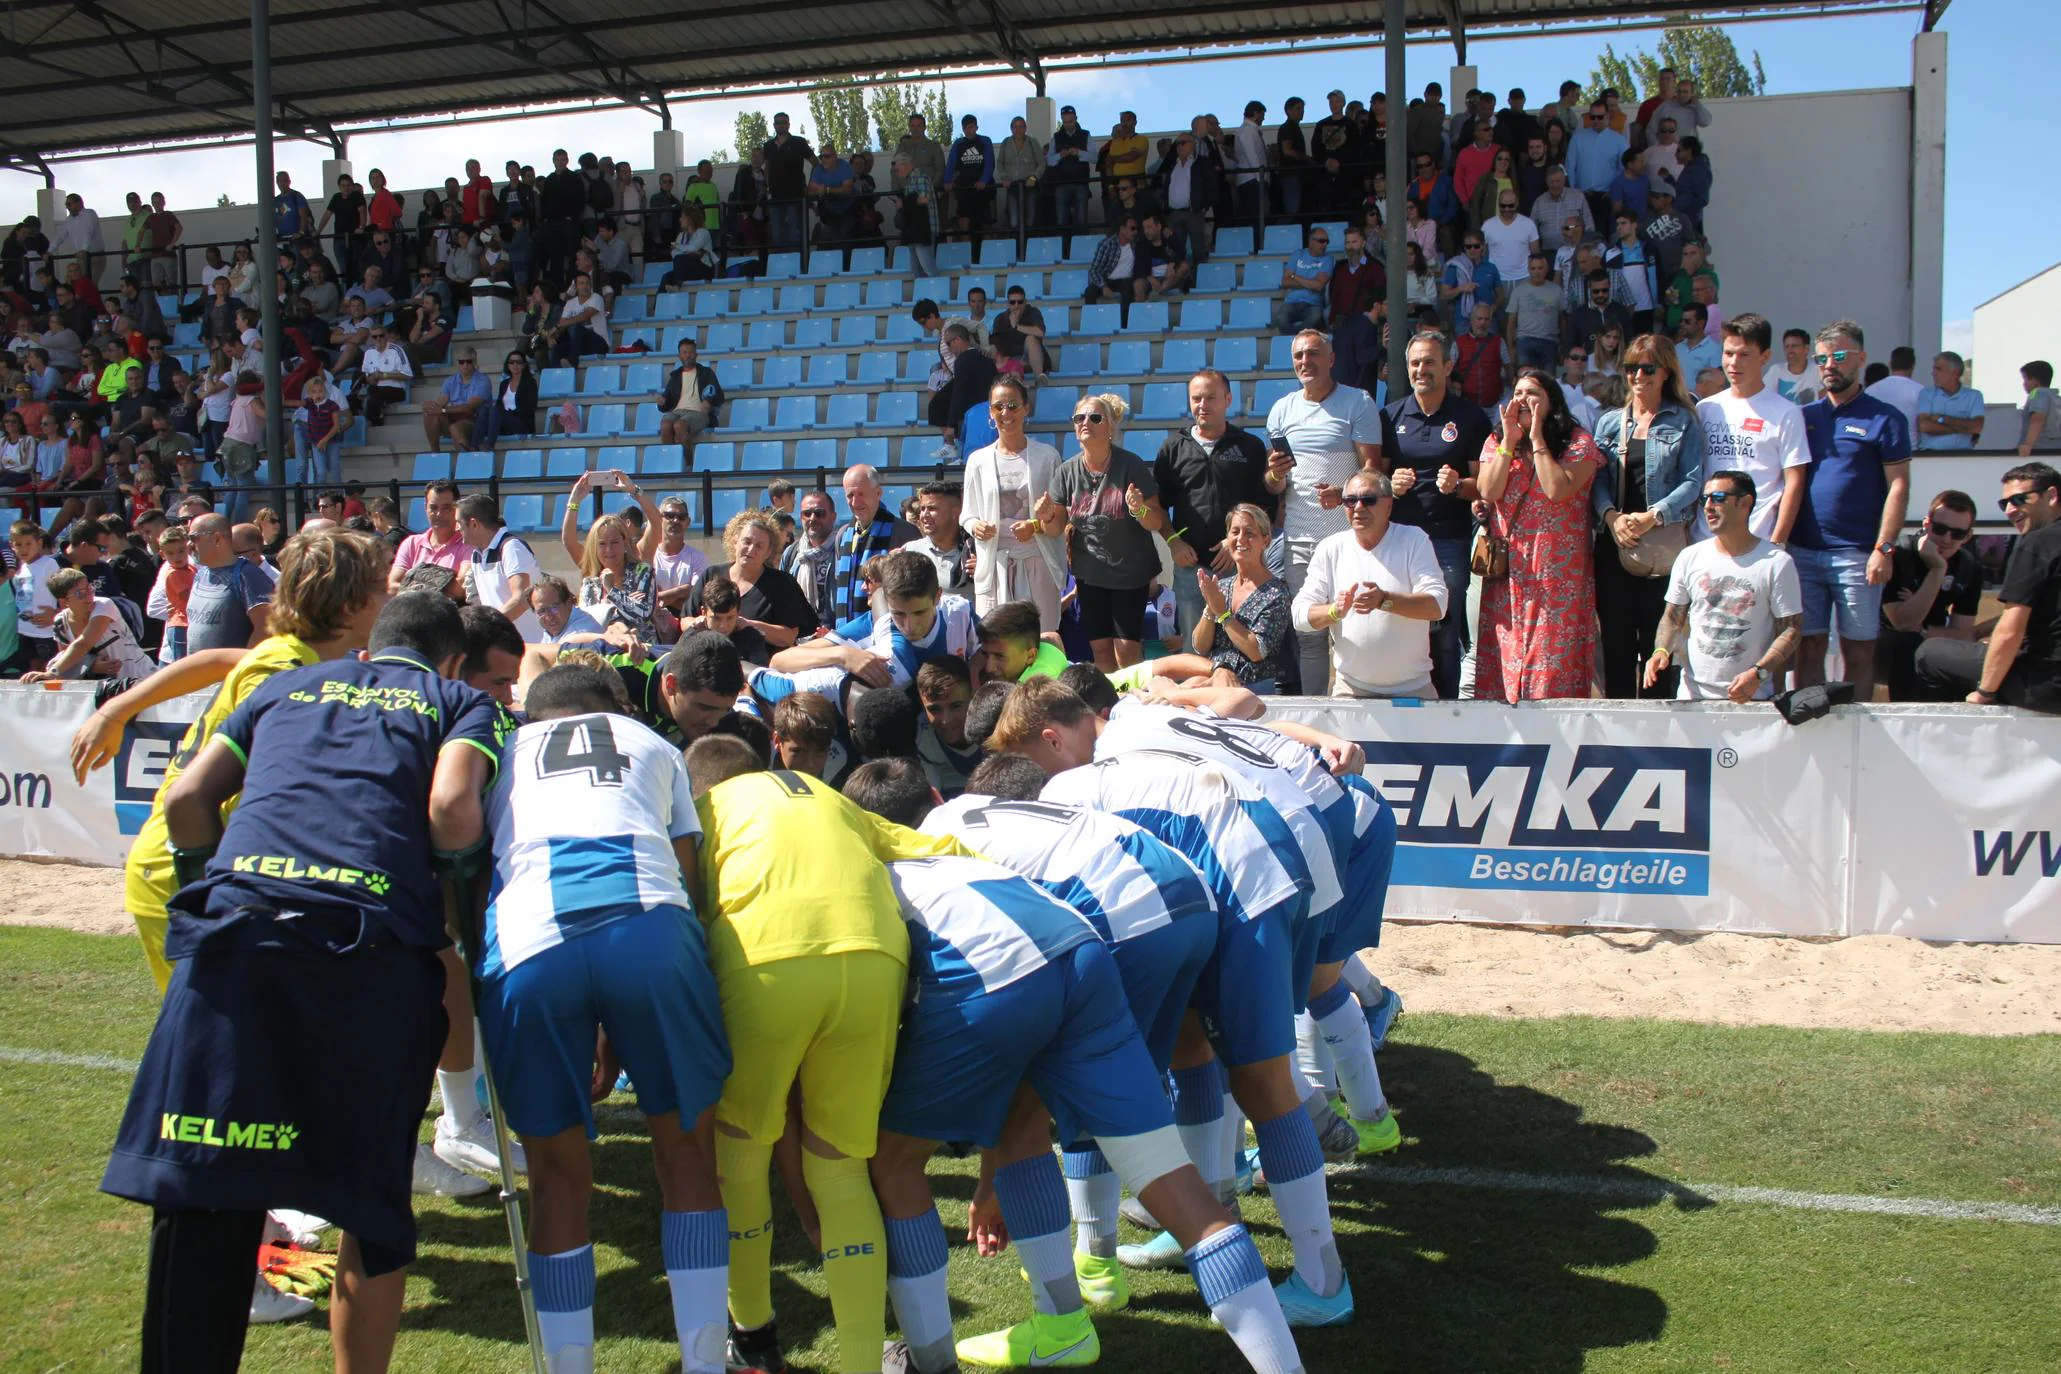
(351, 774)
(808, 737)
(944, 686)
(810, 957)
(1020, 1011)
(680, 695)
(591, 925)
(1012, 647)
(920, 625)
(1248, 996)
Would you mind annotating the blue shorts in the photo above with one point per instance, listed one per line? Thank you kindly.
(1248, 993)
(1066, 1030)
(1356, 924)
(645, 978)
(1835, 585)
(241, 1104)
(1159, 974)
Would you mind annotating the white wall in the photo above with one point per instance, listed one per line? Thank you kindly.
(1810, 215)
(2013, 329)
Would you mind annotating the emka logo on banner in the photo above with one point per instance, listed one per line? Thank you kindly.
(1541, 818)
(147, 747)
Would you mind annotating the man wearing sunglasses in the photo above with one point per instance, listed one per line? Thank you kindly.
(1734, 609)
(2021, 666)
(1934, 588)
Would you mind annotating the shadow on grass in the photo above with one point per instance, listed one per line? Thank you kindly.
(1445, 1276)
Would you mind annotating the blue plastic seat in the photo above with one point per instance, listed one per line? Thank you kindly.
(813, 332)
(640, 333)
(642, 378)
(1280, 353)
(620, 457)
(1250, 312)
(796, 412)
(674, 334)
(724, 336)
(1233, 242)
(674, 305)
(1263, 275)
(813, 454)
(763, 455)
(1042, 251)
(1164, 401)
(1147, 317)
(841, 295)
(712, 304)
(1199, 317)
(783, 370)
(463, 324)
(1100, 318)
(917, 363)
(828, 369)
(1265, 393)
(523, 513)
(1129, 355)
(1236, 354)
(847, 410)
(895, 408)
(1181, 356)
(186, 334)
(522, 464)
(868, 260)
(630, 307)
(565, 462)
(918, 450)
(856, 330)
(883, 294)
(797, 298)
(1078, 360)
(1217, 276)
(766, 335)
(733, 374)
(755, 300)
(955, 255)
(935, 288)
(430, 467)
(476, 465)
(753, 412)
(1144, 442)
(729, 502)
(1282, 238)
(662, 460)
(1055, 404)
(1082, 249)
(557, 383)
(868, 449)
(903, 329)
(876, 369)
(720, 456)
(645, 424)
(783, 265)
(1068, 283)
(600, 379)
(654, 273)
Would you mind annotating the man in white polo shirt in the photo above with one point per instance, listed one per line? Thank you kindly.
(1331, 432)
(386, 372)
(502, 565)
(1750, 428)
(1375, 589)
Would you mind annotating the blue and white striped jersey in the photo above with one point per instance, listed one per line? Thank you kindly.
(583, 819)
(1110, 870)
(974, 926)
(1216, 819)
(1139, 724)
(953, 633)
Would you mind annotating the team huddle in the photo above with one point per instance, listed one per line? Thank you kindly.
(1128, 925)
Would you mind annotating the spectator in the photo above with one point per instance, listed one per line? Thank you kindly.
(429, 336)
(1303, 305)
(1120, 268)
(922, 152)
(560, 623)
(916, 214)
(1105, 504)
(440, 544)
(1014, 561)
(1934, 588)
(1469, 279)
(970, 165)
(1632, 276)
(870, 532)
(501, 566)
(1595, 153)
(318, 434)
(1553, 210)
(1375, 588)
(81, 544)
(1793, 378)
(721, 611)
(1683, 108)
(1697, 348)
(1188, 183)
(692, 403)
(1019, 336)
(1358, 281)
(1644, 496)
(1170, 253)
(617, 586)
(945, 543)
(1666, 236)
(1069, 172)
(676, 565)
(1857, 492)
(456, 405)
(1534, 318)
(1664, 160)
(768, 599)
(1479, 361)
(166, 603)
(35, 607)
(1533, 169)
(1249, 157)
(1327, 432)
(291, 215)
(1736, 600)
(612, 264)
(1018, 163)
(1950, 415)
(811, 560)
(1663, 92)
(1498, 182)
(1422, 289)
(694, 252)
(1241, 639)
(1475, 161)
(1359, 350)
(1749, 428)
(582, 324)
(1899, 388)
(93, 638)
(386, 372)
(228, 605)
(1537, 636)
(2021, 665)
(2039, 424)
(1693, 182)
(1627, 192)
(1432, 191)
(511, 412)
(830, 186)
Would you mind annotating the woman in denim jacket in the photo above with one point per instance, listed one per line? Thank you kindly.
(1653, 451)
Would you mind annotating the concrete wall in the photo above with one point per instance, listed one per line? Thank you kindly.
(1810, 216)
(2012, 329)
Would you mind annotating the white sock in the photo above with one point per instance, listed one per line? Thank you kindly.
(1344, 1028)
(1233, 1280)
(1230, 1144)
(1094, 1191)
(1033, 1201)
(916, 1288)
(1295, 1176)
(564, 1288)
(1312, 1059)
(1362, 980)
(696, 1246)
(460, 1090)
(1199, 1100)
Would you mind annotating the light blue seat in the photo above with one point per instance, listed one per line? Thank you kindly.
(964, 285)
(783, 370)
(841, 295)
(917, 363)
(463, 324)
(1164, 401)
(856, 330)
(935, 288)
(619, 457)
(813, 332)
(640, 333)
(868, 260)
(1199, 317)
(662, 460)
(430, 467)
(654, 273)
(797, 298)
(895, 408)
(828, 369)
(783, 265)
(565, 462)
(1078, 360)
(630, 307)
(1042, 251)
(712, 304)
(1237, 354)
(918, 450)
(557, 383)
(847, 410)
(1181, 356)
(1265, 393)
(1129, 355)
(1217, 276)
(955, 255)
(733, 374)
(796, 412)
(766, 335)
(868, 449)
(1263, 275)
(1082, 249)
(674, 334)
(1147, 317)
(523, 513)
(186, 334)
(674, 305)
(645, 424)
(753, 412)
(813, 454)
(1281, 353)
(724, 336)
(728, 503)
(600, 379)
(1335, 228)
(877, 368)
(522, 464)
(903, 329)
(1283, 238)
(1100, 318)
(717, 457)
(755, 300)
(476, 465)
(883, 294)
(763, 455)
(1249, 312)
(1233, 242)
(1144, 442)
(1055, 404)
(641, 379)
(998, 253)
(1068, 283)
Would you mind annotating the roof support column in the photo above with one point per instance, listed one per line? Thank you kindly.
(268, 247)
(1928, 189)
(668, 153)
(1394, 26)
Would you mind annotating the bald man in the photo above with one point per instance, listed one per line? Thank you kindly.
(870, 532)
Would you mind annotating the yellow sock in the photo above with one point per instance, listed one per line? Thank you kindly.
(748, 1197)
(854, 1257)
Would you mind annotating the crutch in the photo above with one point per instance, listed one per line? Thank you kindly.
(464, 904)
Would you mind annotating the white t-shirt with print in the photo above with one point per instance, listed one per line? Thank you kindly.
(1733, 605)
(1760, 435)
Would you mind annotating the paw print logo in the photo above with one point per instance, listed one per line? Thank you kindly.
(286, 1135)
(378, 883)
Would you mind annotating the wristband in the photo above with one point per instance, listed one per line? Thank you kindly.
(1220, 619)
(189, 864)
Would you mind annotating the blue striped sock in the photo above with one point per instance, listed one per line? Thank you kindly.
(1033, 1200)
(696, 1246)
(1233, 1279)
(564, 1288)
(916, 1287)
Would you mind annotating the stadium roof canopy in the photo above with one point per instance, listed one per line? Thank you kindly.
(94, 75)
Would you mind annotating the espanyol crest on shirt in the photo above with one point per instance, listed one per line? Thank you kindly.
(1450, 433)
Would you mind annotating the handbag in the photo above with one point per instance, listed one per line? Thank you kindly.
(1655, 553)
(1490, 556)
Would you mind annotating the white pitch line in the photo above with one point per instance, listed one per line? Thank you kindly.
(1634, 1191)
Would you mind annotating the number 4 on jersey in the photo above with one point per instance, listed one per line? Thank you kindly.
(600, 760)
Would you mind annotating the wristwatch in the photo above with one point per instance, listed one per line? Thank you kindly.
(1885, 548)
(1763, 672)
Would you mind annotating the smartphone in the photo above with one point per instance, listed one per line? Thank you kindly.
(1279, 441)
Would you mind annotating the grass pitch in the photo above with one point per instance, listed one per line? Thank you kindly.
(1536, 1220)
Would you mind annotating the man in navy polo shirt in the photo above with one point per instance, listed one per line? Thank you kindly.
(1433, 438)
(352, 774)
(1853, 510)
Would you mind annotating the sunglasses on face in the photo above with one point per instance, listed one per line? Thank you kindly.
(1940, 531)
(672, 515)
(2017, 501)
(1718, 498)
(1355, 500)
(1087, 419)
(1641, 369)
(1837, 355)
(1005, 406)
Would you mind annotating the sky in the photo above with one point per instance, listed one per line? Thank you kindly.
(1989, 63)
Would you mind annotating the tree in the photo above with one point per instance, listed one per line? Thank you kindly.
(1706, 56)
(892, 105)
(839, 114)
(719, 156)
(751, 133)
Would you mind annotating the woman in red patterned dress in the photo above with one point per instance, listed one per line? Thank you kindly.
(1538, 624)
